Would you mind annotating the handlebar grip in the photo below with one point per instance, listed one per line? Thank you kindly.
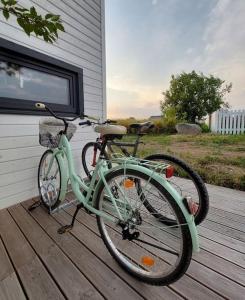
(111, 121)
(40, 105)
(84, 123)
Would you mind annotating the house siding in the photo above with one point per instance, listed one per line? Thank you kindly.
(82, 45)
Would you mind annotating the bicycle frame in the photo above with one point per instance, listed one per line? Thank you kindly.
(121, 146)
(189, 218)
(63, 153)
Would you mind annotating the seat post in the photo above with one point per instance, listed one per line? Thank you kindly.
(139, 136)
(103, 145)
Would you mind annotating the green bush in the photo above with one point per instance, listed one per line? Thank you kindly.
(204, 127)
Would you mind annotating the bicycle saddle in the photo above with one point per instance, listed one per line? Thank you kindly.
(111, 130)
(142, 127)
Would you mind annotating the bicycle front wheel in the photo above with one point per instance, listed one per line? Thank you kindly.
(49, 180)
(144, 247)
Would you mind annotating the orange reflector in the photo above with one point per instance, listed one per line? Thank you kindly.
(169, 171)
(128, 183)
(147, 261)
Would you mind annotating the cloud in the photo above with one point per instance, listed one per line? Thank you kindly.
(147, 46)
(224, 53)
(131, 98)
(189, 50)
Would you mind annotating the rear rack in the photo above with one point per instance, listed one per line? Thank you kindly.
(118, 158)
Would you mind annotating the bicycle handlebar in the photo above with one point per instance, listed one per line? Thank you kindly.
(40, 105)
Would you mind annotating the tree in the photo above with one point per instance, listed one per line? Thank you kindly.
(46, 27)
(194, 95)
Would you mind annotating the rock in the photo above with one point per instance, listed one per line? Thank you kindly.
(186, 128)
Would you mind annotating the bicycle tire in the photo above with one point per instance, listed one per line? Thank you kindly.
(122, 258)
(57, 202)
(85, 154)
(197, 181)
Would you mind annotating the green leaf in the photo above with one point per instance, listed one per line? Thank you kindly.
(51, 27)
(60, 27)
(21, 22)
(11, 2)
(48, 16)
(21, 9)
(55, 18)
(33, 11)
(6, 13)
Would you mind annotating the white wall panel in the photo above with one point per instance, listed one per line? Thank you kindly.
(81, 45)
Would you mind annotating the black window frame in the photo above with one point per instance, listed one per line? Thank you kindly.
(35, 60)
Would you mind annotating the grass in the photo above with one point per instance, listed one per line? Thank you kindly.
(219, 159)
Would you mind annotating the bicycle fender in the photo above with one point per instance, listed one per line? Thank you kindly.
(64, 174)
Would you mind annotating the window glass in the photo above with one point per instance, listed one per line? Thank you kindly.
(18, 82)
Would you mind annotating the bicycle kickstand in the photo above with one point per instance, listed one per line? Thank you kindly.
(66, 228)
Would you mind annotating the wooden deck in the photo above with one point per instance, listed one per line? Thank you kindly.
(38, 263)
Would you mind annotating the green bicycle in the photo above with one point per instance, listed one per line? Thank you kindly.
(144, 247)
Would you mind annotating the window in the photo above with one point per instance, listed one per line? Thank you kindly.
(27, 77)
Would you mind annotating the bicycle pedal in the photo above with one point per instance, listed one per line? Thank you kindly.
(64, 229)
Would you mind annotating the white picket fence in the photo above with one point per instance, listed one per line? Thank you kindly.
(228, 121)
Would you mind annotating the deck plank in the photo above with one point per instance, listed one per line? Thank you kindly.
(33, 245)
(181, 286)
(34, 277)
(80, 254)
(69, 279)
(227, 222)
(105, 280)
(84, 236)
(198, 291)
(222, 239)
(234, 233)
(225, 214)
(209, 259)
(10, 287)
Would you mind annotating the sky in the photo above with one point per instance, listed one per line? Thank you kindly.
(149, 40)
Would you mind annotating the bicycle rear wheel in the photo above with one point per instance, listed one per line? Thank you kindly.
(49, 184)
(143, 246)
(89, 157)
(187, 182)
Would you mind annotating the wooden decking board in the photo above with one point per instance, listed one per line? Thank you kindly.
(104, 278)
(69, 279)
(227, 222)
(214, 262)
(182, 286)
(194, 271)
(234, 233)
(10, 287)
(222, 239)
(83, 234)
(225, 214)
(26, 262)
(34, 258)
